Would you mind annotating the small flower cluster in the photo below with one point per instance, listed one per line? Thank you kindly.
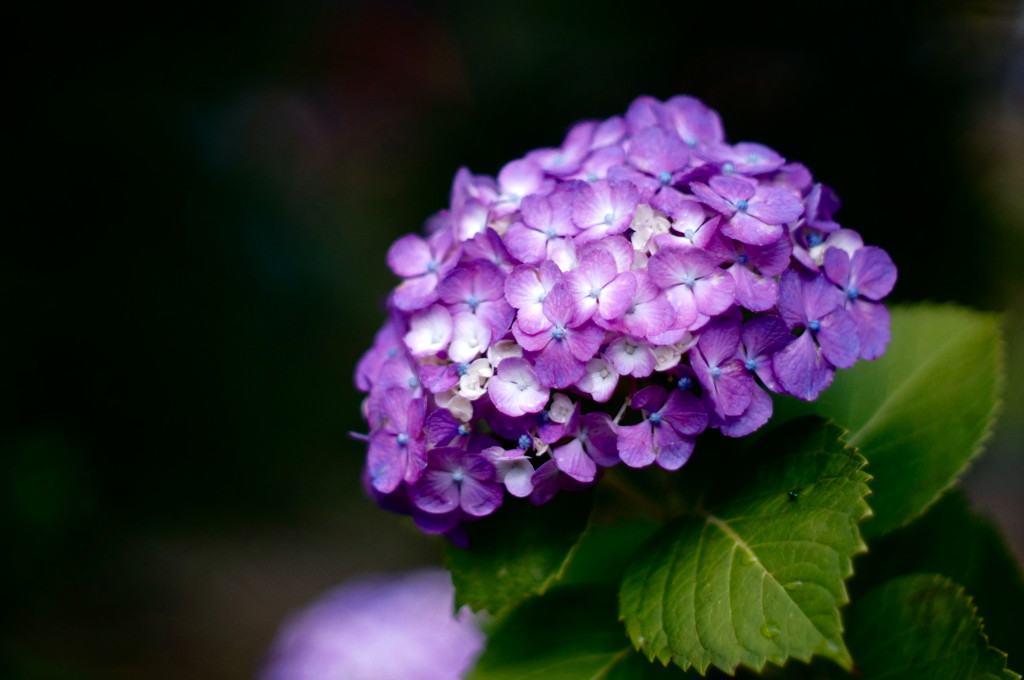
(607, 301)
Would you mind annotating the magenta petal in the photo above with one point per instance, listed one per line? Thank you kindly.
(515, 389)
(801, 370)
(584, 341)
(417, 293)
(526, 244)
(732, 189)
(636, 445)
(573, 461)
(715, 293)
(559, 306)
(409, 256)
(616, 297)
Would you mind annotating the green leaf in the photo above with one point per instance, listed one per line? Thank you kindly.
(921, 411)
(952, 541)
(518, 552)
(921, 626)
(570, 634)
(605, 550)
(757, 574)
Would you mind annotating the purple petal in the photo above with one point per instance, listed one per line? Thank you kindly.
(556, 366)
(636, 445)
(601, 441)
(584, 341)
(839, 340)
(643, 112)
(872, 327)
(695, 123)
(573, 461)
(801, 370)
(435, 492)
(559, 305)
(714, 293)
(684, 413)
(417, 293)
(599, 379)
(650, 398)
(756, 415)
(631, 357)
(673, 450)
(874, 273)
(410, 256)
(525, 244)
(616, 297)
(658, 153)
(748, 229)
(515, 389)
(430, 331)
(755, 292)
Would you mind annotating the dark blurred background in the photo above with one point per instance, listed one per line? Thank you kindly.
(201, 202)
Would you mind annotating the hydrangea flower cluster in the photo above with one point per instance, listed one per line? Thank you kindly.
(401, 627)
(607, 301)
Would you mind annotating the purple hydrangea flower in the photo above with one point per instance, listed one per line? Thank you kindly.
(379, 628)
(606, 300)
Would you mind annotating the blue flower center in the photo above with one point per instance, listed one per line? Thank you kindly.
(750, 364)
(458, 476)
(558, 159)
(551, 233)
(685, 382)
(392, 352)
(741, 204)
(558, 333)
(655, 418)
(814, 239)
(591, 176)
(852, 292)
(432, 266)
(814, 325)
(688, 233)
(743, 258)
(727, 167)
(464, 429)
(402, 439)
(413, 382)
(525, 442)
(608, 218)
(462, 369)
(595, 292)
(689, 281)
(715, 371)
(473, 302)
(753, 158)
(690, 141)
(664, 177)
